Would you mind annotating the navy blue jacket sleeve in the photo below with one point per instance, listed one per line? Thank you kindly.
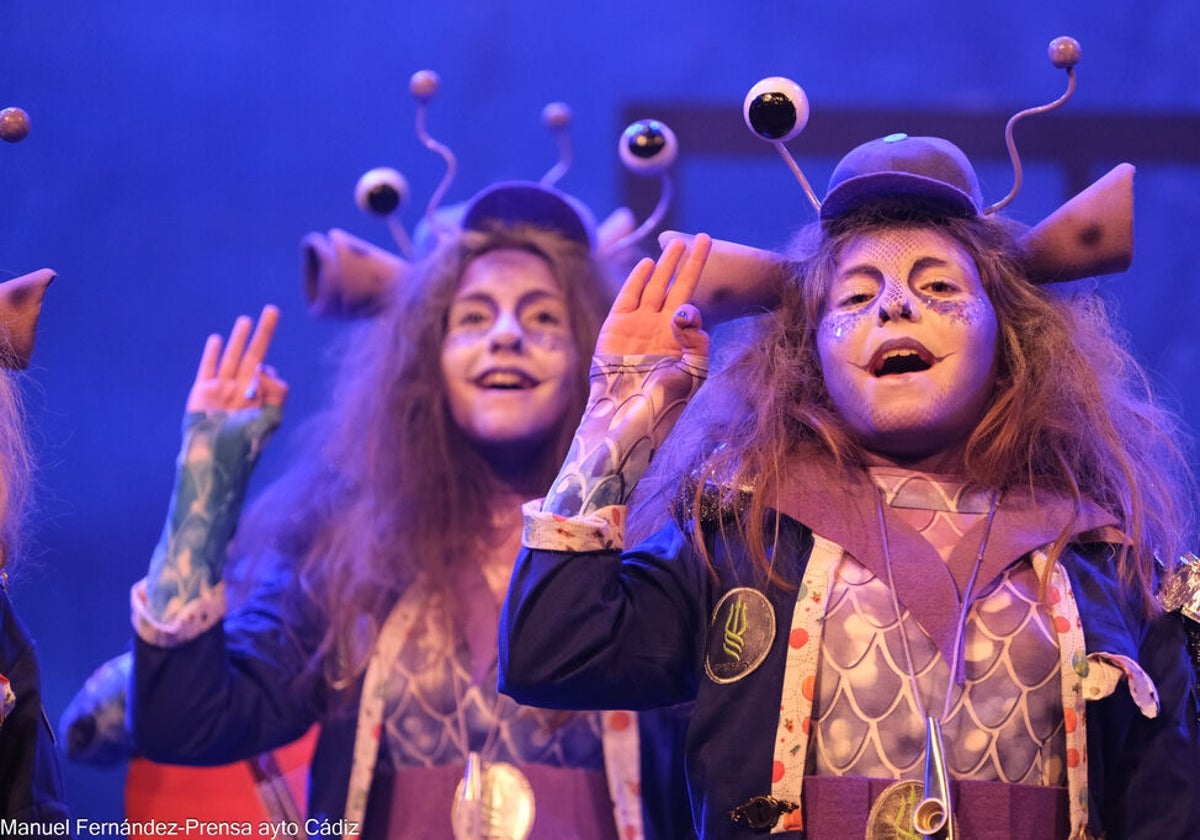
(602, 630)
(31, 788)
(1144, 773)
(235, 691)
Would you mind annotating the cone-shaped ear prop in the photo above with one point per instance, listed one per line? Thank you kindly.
(1091, 234)
(737, 280)
(615, 227)
(346, 277)
(20, 306)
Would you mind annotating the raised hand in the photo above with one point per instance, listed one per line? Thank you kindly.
(233, 408)
(651, 357)
(652, 313)
(237, 378)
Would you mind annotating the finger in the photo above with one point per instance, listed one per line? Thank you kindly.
(684, 285)
(208, 358)
(656, 287)
(630, 295)
(688, 329)
(274, 390)
(232, 356)
(256, 351)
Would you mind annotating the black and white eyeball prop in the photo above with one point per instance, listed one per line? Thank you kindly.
(648, 147)
(381, 191)
(776, 109)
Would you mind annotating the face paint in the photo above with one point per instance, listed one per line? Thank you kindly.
(509, 350)
(907, 342)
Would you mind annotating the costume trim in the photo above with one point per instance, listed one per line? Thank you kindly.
(791, 745)
(196, 618)
(596, 531)
(799, 676)
(619, 730)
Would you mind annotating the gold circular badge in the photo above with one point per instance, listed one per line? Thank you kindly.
(505, 808)
(891, 816)
(739, 635)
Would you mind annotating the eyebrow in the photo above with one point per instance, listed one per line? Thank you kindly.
(530, 297)
(921, 265)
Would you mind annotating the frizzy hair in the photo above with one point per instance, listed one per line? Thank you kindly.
(385, 486)
(1072, 410)
(16, 469)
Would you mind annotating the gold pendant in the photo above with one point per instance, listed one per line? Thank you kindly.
(892, 811)
(494, 801)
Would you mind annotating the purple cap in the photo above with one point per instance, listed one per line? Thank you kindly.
(927, 171)
(530, 203)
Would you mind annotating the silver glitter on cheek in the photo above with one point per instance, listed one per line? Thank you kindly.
(549, 340)
(838, 325)
(966, 312)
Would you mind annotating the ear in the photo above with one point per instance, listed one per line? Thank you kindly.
(20, 306)
(1089, 235)
(347, 277)
(737, 280)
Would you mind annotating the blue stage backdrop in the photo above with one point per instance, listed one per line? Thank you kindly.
(180, 151)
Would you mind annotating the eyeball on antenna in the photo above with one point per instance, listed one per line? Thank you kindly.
(1064, 52)
(381, 191)
(776, 109)
(648, 147)
(14, 124)
(556, 116)
(424, 84)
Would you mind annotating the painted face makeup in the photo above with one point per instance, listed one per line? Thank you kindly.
(509, 350)
(907, 342)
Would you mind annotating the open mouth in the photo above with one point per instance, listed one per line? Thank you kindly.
(896, 358)
(505, 380)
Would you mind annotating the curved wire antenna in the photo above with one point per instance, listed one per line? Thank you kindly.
(795, 167)
(648, 147)
(1064, 53)
(424, 85)
(666, 194)
(776, 110)
(403, 240)
(557, 117)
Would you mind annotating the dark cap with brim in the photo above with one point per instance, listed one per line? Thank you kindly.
(529, 203)
(898, 170)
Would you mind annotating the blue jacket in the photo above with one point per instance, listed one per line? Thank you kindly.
(636, 639)
(236, 690)
(31, 788)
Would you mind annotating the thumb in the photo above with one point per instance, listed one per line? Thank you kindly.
(688, 329)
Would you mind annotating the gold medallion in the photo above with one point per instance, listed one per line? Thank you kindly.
(891, 813)
(891, 816)
(494, 801)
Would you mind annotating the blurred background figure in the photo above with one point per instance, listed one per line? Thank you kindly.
(31, 788)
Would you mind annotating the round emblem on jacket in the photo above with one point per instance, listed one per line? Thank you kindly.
(740, 635)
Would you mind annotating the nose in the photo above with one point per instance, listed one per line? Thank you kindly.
(506, 332)
(895, 303)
